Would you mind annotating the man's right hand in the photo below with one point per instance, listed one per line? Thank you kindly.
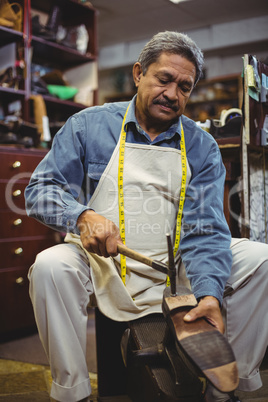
(98, 234)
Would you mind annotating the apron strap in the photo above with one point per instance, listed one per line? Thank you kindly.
(121, 195)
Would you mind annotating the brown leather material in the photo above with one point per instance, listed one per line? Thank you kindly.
(181, 301)
(203, 345)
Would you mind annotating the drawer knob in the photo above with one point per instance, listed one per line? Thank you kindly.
(20, 281)
(17, 222)
(16, 165)
(16, 193)
(18, 251)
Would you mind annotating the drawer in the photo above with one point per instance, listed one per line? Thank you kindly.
(14, 225)
(12, 196)
(16, 308)
(20, 252)
(19, 163)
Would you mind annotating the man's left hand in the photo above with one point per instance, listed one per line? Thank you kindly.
(208, 308)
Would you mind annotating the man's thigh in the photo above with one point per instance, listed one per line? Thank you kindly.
(248, 257)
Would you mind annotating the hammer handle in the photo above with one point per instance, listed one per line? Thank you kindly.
(122, 249)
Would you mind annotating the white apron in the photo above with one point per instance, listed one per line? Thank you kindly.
(152, 179)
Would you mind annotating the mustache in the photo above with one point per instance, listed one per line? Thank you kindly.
(166, 103)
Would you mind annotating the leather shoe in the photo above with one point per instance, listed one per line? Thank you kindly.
(215, 359)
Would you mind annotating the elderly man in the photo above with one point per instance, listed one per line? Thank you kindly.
(116, 174)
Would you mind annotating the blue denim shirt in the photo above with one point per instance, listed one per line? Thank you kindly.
(64, 181)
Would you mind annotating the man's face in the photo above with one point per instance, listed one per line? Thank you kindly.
(163, 91)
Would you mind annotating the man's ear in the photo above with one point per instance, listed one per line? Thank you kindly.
(137, 73)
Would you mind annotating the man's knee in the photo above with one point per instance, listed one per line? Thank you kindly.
(58, 267)
(49, 264)
(42, 268)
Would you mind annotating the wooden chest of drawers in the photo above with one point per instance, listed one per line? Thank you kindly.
(21, 238)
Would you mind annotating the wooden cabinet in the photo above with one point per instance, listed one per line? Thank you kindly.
(21, 238)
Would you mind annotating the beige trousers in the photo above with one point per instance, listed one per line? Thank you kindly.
(60, 287)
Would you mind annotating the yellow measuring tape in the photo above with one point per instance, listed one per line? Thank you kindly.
(121, 195)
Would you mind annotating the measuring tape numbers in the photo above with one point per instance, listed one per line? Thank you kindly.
(121, 195)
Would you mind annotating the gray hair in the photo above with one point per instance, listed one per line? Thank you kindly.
(175, 43)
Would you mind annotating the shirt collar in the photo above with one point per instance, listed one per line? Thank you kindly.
(131, 118)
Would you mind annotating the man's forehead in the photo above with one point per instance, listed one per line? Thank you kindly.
(168, 63)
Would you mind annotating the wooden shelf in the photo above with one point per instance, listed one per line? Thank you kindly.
(48, 55)
(73, 5)
(8, 36)
(10, 93)
(52, 99)
(221, 99)
(58, 55)
(229, 142)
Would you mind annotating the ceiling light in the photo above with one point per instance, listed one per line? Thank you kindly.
(176, 1)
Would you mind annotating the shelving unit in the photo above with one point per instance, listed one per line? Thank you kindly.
(211, 96)
(52, 55)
